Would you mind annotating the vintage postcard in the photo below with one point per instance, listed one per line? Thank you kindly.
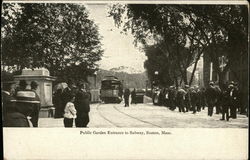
(125, 79)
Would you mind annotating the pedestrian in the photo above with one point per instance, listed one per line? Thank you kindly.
(120, 93)
(21, 86)
(133, 97)
(218, 102)
(203, 98)
(232, 100)
(187, 98)
(37, 106)
(11, 117)
(211, 97)
(172, 97)
(27, 102)
(238, 101)
(82, 106)
(67, 92)
(181, 93)
(126, 97)
(161, 96)
(165, 98)
(199, 100)
(224, 103)
(69, 112)
(194, 99)
(58, 103)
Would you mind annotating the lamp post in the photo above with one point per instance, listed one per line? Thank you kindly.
(95, 73)
(156, 77)
(156, 72)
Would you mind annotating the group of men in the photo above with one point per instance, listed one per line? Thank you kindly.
(226, 100)
(20, 105)
(82, 102)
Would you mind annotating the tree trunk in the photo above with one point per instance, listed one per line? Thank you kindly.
(222, 79)
(184, 75)
(194, 69)
(176, 80)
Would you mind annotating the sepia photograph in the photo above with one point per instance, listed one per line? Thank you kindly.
(103, 67)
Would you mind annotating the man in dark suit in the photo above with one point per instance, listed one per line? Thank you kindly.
(211, 97)
(82, 106)
(181, 94)
(126, 97)
(37, 106)
(66, 93)
(224, 103)
(233, 97)
(133, 97)
(12, 117)
(187, 98)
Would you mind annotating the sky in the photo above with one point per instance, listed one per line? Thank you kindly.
(119, 49)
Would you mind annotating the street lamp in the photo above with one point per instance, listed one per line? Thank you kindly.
(156, 78)
(95, 73)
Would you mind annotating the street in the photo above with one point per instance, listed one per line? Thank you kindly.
(149, 116)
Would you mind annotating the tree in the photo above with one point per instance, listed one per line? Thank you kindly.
(163, 24)
(185, 32)
(223, 32)
(156, 61)
(57, 36)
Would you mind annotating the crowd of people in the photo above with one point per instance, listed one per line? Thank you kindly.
(226, 100)
(73, 103)
(20, 105)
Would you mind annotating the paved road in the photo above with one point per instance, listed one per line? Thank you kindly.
(149, 116)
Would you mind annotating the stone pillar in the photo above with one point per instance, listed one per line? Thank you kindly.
(44, 89)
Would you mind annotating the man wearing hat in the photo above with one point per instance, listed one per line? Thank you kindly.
(211, 97)
(21, 86)
(232, 100)
(68, 92)
(172, 97)
(26, 100)
(181, 99)
(82, 106)
(225, 102)
(37, 106)
(187, 98)
(12, 117)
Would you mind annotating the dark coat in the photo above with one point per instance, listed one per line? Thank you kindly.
(194, 97)
(211, 94)
(8, 103)
(16, 119)
(126, 93)
(11, 116)
(66, 94)
(27, 105)
(58, 103)
(35, 114)
(133, 94)
(82, 101)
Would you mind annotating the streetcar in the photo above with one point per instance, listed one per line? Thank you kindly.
(111, 90)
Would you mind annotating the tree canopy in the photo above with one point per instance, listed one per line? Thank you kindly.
(59, 37)
(184, 32)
